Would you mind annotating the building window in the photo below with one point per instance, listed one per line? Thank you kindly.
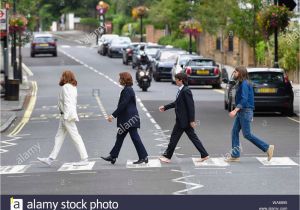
(230, 43)
(218, 43)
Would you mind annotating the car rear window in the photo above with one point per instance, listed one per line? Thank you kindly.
(200, 62)
(43, 39)
(266, 77)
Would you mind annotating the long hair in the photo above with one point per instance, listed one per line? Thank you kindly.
(243, 73)
(68, 77)
(126, 79)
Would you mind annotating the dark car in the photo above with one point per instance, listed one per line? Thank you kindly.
(163, 63)
(272, 90)
(203, 71)
(43, 44)
(128, 52)
(117, 45)
(104, 42)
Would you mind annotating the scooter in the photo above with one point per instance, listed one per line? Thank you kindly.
(143, 77)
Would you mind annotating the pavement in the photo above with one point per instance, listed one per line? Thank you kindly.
(11, 110)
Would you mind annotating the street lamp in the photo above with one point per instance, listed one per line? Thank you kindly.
(191, 27)
(140, 12)
(102, 8)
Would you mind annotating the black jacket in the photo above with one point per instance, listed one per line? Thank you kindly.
(127, 114)
(184, 107)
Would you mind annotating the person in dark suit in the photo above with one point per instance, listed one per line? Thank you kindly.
(128, 121)
(185, 120)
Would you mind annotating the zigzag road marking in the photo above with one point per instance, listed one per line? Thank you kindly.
(190, 185)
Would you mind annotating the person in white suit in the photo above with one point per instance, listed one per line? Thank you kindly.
(67, 102)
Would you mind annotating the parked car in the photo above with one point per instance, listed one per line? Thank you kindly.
(117, 45)
(128, 52)
(272, 90)
(203, 71)
(43, 44)
(163, 62)
(180, 62)
(104, 42)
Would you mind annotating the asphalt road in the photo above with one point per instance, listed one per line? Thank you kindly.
(98, 93)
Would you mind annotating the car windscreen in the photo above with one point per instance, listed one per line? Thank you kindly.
(151, 51)
(120, 42)
(43, 39)
(266, 77)
(200, 62)
(168, 56)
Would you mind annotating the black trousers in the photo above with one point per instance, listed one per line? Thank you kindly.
(142, 153)
(175, 136)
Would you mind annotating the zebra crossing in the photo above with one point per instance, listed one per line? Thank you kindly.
(153, 163)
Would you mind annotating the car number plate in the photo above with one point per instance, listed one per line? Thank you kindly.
(43, 45)
(266, 90)
(202, 72)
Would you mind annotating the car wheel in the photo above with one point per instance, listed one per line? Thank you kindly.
(32, 54)
(144, 89)
(229, 106)
(288, 111)
(225, 105)
(55, 54)
(156, 78)
(218, 86)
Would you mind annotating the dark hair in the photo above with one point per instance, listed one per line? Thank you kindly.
(68, 77)
(243, 73)
(182, 77)
(126, 79)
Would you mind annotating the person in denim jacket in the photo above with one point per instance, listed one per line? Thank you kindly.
(243, 114)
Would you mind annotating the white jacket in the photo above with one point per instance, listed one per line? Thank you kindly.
(67, 102)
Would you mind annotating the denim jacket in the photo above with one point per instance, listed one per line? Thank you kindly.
(244, 97)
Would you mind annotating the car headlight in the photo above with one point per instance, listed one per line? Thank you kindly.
(147, 73)
(142, 73)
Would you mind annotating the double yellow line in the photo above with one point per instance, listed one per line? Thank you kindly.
(28, 111)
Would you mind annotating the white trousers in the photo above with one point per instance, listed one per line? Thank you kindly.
(68, 127)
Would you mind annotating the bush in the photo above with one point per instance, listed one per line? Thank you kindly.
(90, 21)
(178, 42)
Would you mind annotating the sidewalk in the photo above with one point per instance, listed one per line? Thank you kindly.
(10, 109)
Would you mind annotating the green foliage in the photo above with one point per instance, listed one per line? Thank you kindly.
(261, 52)
(169, 12)
(178, 42)
(118, 22)
(90, 21)
(288, 51)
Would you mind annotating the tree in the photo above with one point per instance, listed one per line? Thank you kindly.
(169, 13)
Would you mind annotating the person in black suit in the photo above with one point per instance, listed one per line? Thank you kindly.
(185, 120)
(128, 121)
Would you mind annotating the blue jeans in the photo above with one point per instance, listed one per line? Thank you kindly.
(242, 121)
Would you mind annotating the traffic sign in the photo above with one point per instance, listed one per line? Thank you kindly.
(2, 19)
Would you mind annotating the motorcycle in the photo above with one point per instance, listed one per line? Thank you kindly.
(143, 76)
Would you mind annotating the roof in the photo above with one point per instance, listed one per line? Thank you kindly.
(265, 69)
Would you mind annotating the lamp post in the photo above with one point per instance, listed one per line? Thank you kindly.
(102, 8)
(140, 12)
(191, 27)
